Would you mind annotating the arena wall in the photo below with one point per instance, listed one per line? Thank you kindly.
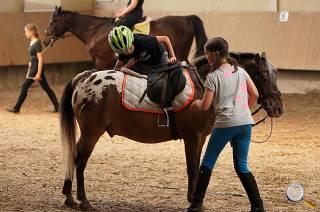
(11, 6)
(12, 77)
(48, 5)
(291, 46)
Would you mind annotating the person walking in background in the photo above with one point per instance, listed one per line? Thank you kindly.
(35, 69)
(231, 92)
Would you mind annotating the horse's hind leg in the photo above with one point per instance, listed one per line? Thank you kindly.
(193, 147)
(85, 147)
(67, 191)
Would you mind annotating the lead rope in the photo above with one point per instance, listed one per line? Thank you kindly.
(263, 120)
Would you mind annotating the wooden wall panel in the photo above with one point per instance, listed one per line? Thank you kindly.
(290, 45)
(14, 45)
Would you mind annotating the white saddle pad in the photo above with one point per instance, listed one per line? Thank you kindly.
(134, 87)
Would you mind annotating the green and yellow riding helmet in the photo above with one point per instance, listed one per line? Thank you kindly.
(120, 39)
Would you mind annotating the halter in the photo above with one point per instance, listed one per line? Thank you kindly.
(264, 98)
(54, 36)
(264, 102)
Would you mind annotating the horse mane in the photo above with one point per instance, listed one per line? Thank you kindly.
(109, 19)
(199, 61)
(242, 55)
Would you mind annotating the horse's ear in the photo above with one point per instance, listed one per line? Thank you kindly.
(59, 10)
(263, 55)
(257, 58)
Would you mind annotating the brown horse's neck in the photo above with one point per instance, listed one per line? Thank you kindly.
(249, 65)
(85, 27)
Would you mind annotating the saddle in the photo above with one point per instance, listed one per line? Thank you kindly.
(164, 83)
(143, 26)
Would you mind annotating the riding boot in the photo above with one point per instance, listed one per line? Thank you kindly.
(200, 191)
(56, 107)
(250, 185)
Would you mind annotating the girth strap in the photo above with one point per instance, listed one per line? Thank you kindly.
(164, 90)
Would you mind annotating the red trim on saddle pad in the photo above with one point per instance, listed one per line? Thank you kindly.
(184, 105)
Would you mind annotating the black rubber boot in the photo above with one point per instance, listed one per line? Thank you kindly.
(200, 191)
(56, 107)
(250, 185)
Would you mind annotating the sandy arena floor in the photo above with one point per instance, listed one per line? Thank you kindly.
(123, 175)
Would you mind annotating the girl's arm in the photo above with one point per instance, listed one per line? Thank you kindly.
(119, 65)
(40, 66)
(166, 41)
(206, 101)
(128, 9)
(253, 92)
(29, 66)
(130, 63)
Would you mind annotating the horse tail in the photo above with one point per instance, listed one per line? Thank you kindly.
(199, 33)
(68, 131)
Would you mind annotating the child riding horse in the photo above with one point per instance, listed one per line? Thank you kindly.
(131, 14)
(140, 50)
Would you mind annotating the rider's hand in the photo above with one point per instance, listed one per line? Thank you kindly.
(172, 60)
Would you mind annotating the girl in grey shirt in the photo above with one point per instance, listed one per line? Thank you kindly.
(231, 92)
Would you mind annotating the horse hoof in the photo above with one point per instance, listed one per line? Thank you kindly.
(70, 202)
(85, 205)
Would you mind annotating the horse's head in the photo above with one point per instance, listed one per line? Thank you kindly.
(202, 66)
(56, 28)
(262, 73)
(265, 79)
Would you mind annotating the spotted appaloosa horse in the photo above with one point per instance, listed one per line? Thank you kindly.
(93, 100)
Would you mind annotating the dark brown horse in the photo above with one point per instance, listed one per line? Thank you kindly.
(93, 100)
(93, 32)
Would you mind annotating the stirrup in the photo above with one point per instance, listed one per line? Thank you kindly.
(166, 109)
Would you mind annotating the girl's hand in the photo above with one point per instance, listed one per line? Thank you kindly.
(37, 77)
(195, 105)
(118, 15)
(172, 60)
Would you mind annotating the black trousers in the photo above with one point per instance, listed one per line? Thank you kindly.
(44, 84)
(130, 19)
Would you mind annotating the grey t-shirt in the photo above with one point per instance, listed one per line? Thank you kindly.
(230, 97)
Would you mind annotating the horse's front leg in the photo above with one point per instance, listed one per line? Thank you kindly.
(193, 146)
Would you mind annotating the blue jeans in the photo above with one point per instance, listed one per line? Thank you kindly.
(240, 137)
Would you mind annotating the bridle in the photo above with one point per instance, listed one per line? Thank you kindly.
(264, 102)
(264, 97)
(54, 36)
